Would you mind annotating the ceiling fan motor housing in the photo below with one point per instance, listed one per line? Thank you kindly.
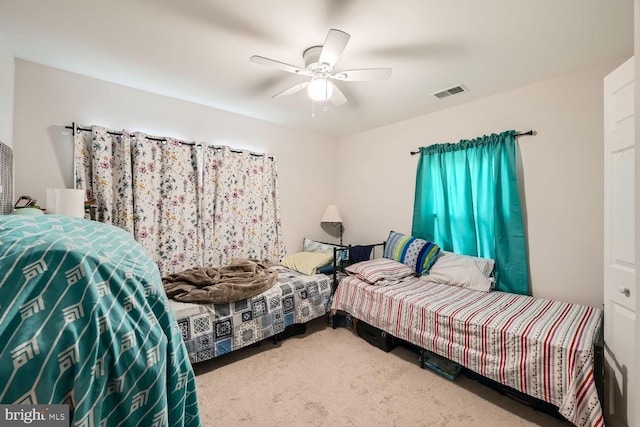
(311, 58)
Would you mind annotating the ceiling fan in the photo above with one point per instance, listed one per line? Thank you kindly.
(319, 63)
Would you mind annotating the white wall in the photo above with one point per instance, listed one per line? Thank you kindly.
(7, 63)
(48, 99)
(562, 168)
(562, 164)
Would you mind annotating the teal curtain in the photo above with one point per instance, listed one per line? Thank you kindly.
(467, 201)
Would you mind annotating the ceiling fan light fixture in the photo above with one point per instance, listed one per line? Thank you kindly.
(320, 89)
(319, 63)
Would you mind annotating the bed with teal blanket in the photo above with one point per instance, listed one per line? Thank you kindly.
(84, 321)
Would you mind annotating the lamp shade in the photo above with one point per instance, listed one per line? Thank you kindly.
(331, 214)
(64, 201)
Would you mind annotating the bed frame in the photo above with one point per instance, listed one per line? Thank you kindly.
(339, 266)
(340, 318)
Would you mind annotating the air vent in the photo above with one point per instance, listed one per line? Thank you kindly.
(450, 91)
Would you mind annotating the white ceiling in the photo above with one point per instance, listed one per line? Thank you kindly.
(199, 50)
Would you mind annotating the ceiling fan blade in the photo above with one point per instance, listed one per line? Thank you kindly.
(363, 75)
(293, 89)
(277, 64)
(337, 97)
(333, 46)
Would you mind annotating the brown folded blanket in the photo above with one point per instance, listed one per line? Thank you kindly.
(242, 278)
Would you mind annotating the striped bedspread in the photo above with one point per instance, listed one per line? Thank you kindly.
(540, 347)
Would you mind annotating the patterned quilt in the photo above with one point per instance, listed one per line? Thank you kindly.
(211, 330)
(540, 347)
(84, 321)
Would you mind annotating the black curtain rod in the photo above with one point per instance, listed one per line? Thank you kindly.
(73, 128)
(528, 132)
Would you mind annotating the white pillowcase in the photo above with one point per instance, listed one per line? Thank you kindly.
(462, 270)
(380, 271)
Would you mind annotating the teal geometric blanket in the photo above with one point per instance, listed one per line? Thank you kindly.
(84, 321)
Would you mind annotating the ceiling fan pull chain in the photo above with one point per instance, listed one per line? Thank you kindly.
(313, 108)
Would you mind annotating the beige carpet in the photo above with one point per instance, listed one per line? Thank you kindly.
(332, 377)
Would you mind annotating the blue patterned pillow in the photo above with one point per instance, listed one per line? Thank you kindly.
(309, 245)
(417, 253)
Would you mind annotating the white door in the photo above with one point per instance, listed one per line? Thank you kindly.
(619, 247)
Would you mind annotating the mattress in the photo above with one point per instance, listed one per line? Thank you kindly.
(211, 330)
(540, 347)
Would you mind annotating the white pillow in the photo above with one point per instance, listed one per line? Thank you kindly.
(462, 270)
(380, 271)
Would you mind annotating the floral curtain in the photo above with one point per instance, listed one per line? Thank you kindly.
(145, 186)
(188, 206)
(240, 208)
(103, 169)
(166, 202)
